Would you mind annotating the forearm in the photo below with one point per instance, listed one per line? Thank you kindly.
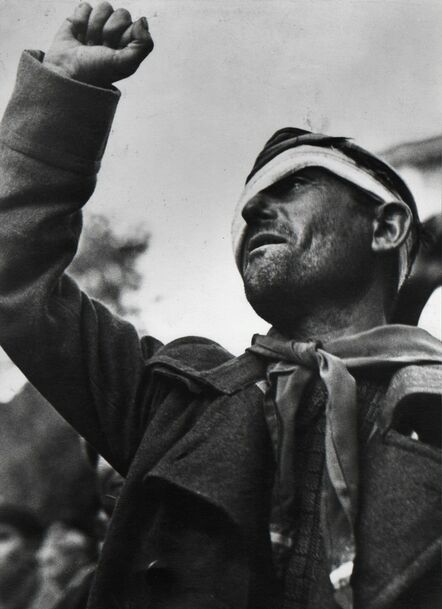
(50, 150)
(52, 139)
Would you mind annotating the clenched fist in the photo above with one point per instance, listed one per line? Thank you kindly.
(98, 45)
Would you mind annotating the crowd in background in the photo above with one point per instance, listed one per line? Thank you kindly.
(51, 566)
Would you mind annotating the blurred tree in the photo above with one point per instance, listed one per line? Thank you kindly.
(41, 462)
(105, 265)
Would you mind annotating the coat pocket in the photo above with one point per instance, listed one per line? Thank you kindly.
(400, 518)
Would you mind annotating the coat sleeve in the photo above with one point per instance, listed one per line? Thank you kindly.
(87, 362)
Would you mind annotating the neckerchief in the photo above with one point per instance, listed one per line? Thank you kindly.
(293, 366)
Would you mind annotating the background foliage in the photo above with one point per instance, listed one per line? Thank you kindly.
(42, 464)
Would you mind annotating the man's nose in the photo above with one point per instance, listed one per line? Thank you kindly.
(258, 208)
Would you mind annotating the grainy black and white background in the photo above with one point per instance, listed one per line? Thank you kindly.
(223, 76)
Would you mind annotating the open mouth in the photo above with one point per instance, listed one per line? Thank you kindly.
(264, 239)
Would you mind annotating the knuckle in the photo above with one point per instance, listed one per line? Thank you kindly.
(102, 12)
(82, 11)
(77, 20)
(125, 38)
(93, 29)
(123, 14)
(104, 7)
(109, 26)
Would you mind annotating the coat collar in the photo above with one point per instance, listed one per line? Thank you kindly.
(190, 359)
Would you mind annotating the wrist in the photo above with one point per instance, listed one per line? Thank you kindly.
(58, 120)
(59, 69)
(68, 69)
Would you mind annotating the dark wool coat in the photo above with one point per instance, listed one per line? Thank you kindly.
(183, 422)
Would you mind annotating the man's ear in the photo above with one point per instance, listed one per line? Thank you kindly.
(390, 226)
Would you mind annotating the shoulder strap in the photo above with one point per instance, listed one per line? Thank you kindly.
(424, 381)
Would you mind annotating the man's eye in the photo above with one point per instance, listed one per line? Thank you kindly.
(296, 181)
(291, 182)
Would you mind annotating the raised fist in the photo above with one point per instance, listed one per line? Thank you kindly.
(98, 45)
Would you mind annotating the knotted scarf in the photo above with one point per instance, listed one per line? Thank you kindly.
(293, 365)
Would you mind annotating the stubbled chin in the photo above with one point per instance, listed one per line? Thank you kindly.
(265, 262)
(263, 275)
(265, 254)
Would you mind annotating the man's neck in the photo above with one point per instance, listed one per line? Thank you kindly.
(325, 321)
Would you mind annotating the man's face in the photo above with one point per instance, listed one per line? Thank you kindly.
(16, 556)
(62, 554)
(308, 239)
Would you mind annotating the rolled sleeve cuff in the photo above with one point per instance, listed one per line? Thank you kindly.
(58, 120)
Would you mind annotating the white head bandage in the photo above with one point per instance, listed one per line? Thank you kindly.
(293, 160)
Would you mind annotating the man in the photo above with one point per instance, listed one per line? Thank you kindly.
(67, 559)
(66, 553)
(303, 473)
(20, 536)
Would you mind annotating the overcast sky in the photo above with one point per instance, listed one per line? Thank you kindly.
(223, 77)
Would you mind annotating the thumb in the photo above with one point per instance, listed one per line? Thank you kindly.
(140, 30)
(137, 48)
